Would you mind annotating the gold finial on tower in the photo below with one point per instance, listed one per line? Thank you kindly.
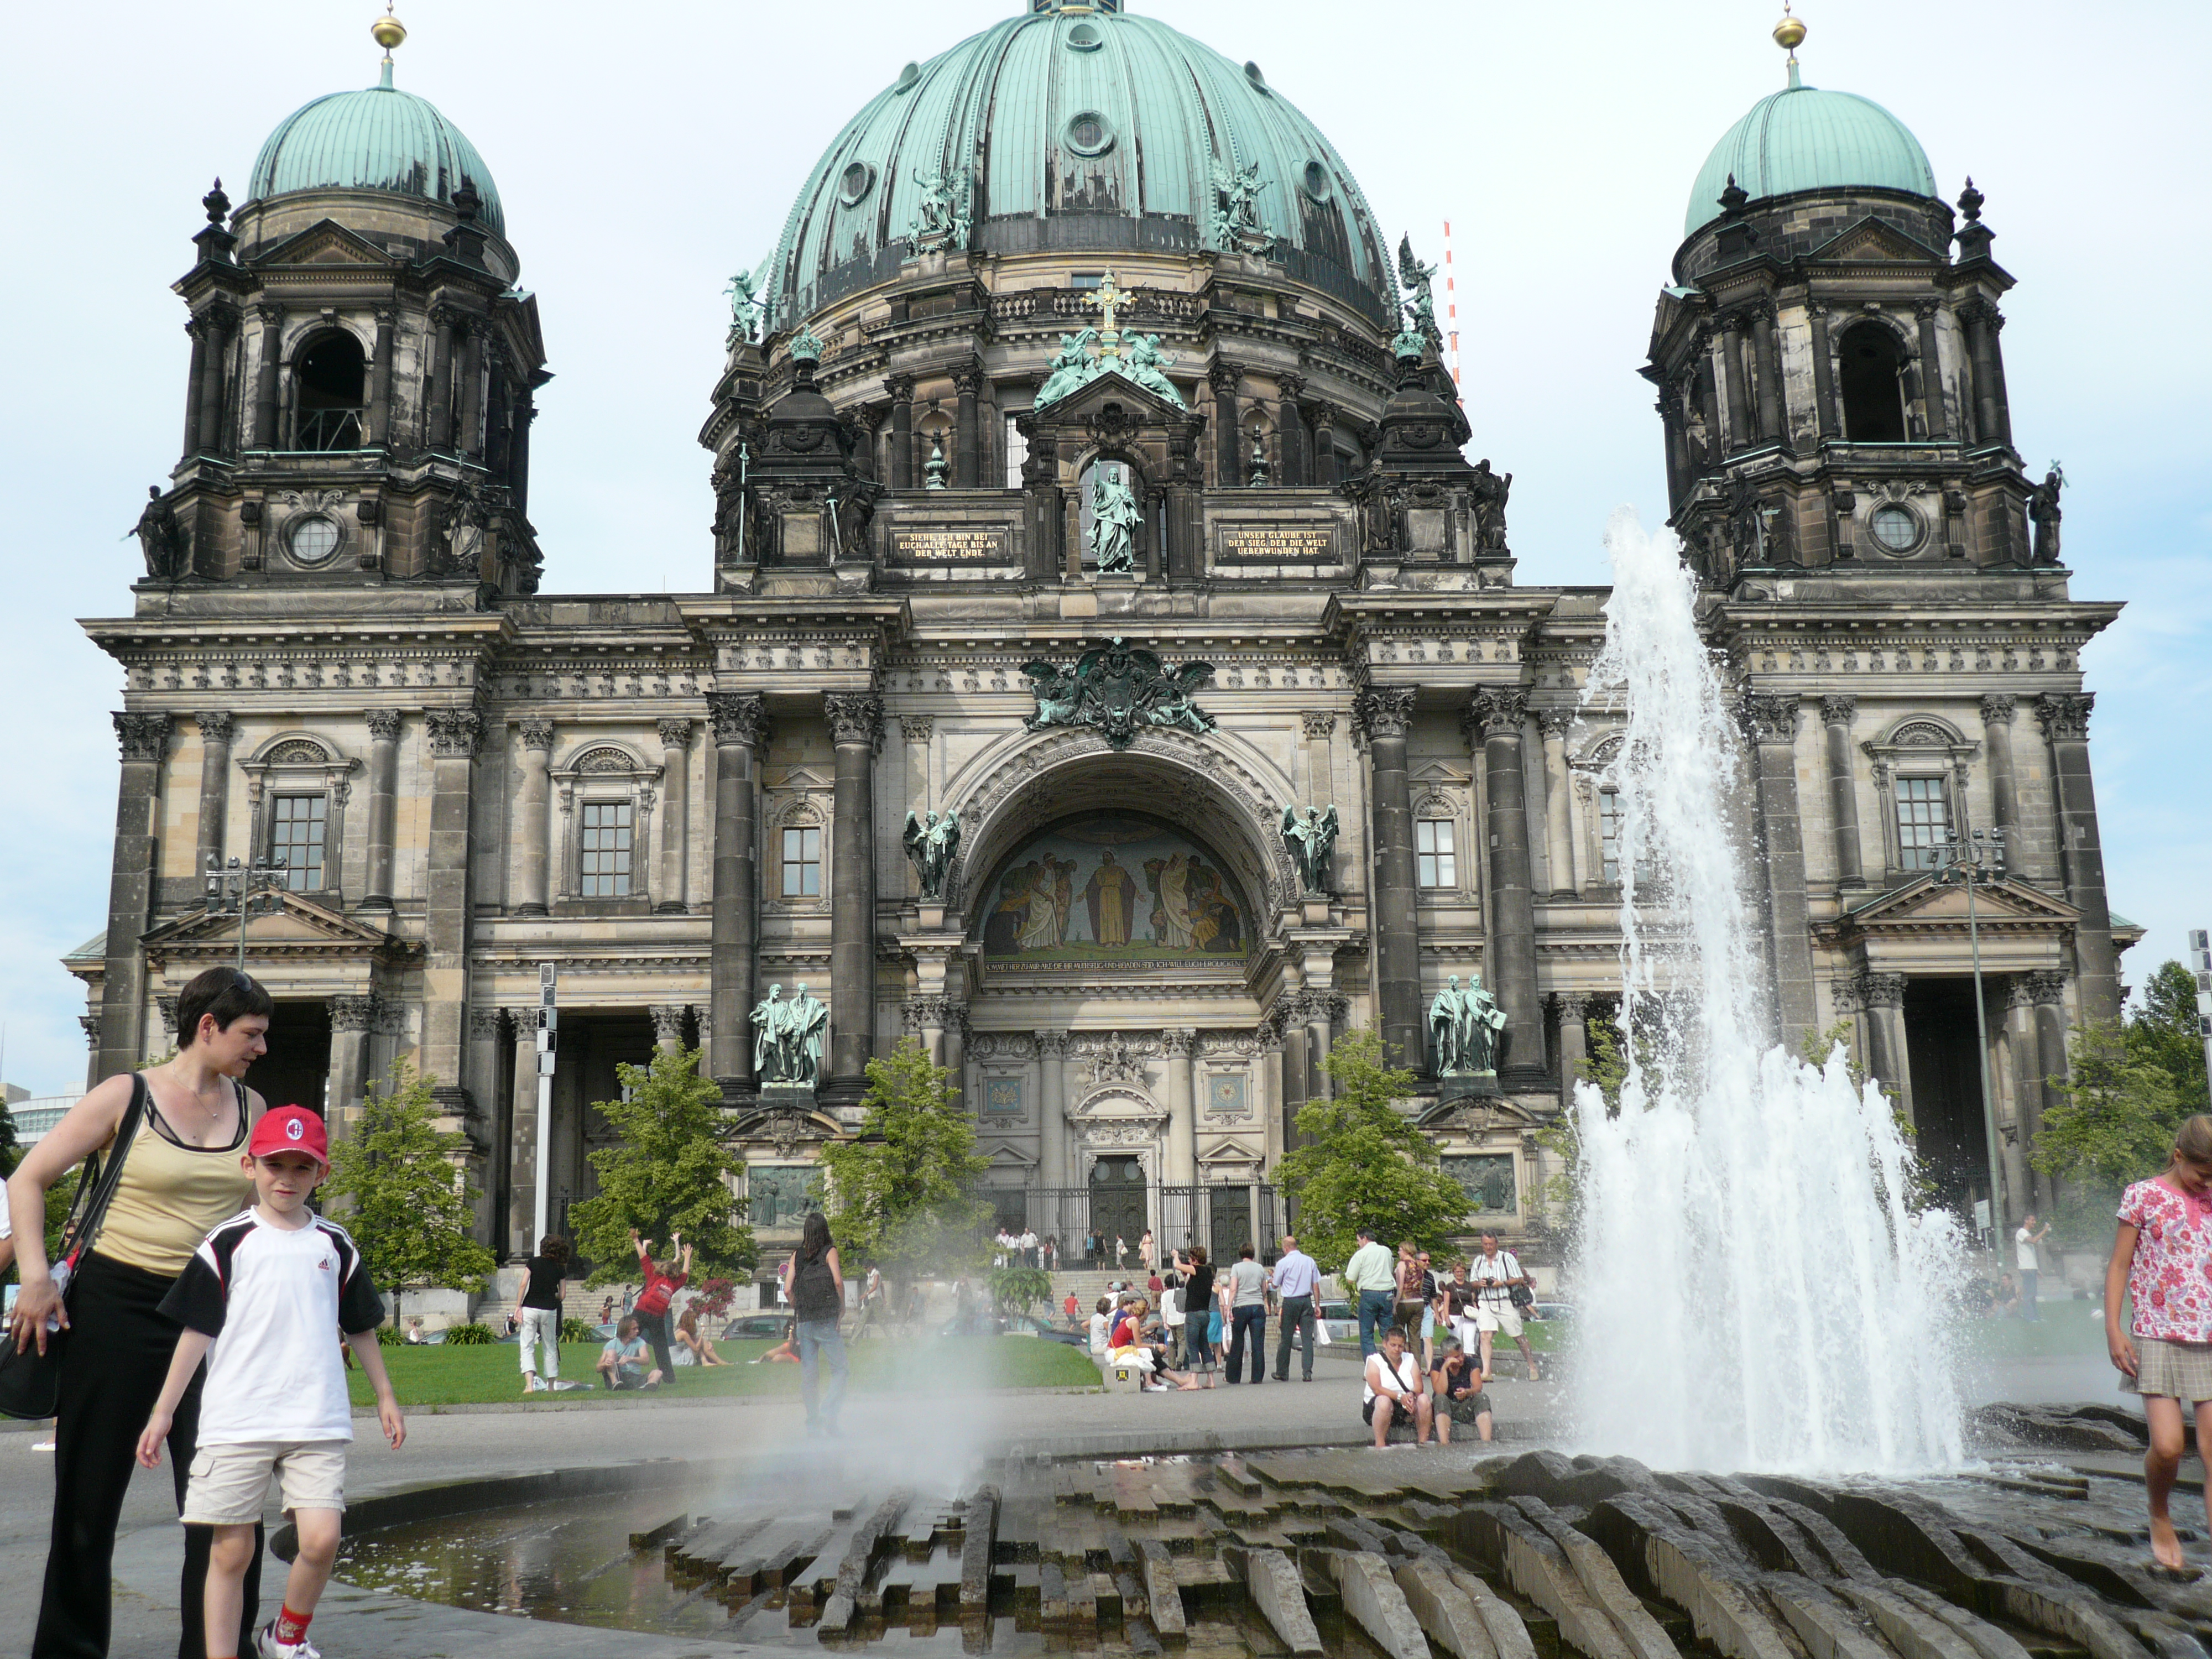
(1790, 34)
(387, 32)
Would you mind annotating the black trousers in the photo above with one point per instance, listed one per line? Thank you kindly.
(1298, 1322)
(654, 1327)
(114, 1361)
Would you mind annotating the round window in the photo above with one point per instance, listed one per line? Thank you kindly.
(855, 182)
(313, 539)
(1088, 134)
(1895, 528)
(1084, 37)
(909, 79)
(1315, 180)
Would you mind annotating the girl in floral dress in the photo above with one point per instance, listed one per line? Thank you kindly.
(2162, 1260)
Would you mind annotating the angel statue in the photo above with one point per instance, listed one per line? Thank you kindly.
(1310, 837)
(1070, 368)
(1057, 692)
(1170, 703)
(1143, 361)
(931, 839)
(1413, 276)
(1238, 214)
(748, 302)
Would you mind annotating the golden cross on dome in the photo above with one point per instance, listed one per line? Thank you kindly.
(1106, 297)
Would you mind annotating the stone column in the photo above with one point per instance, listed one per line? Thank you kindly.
(353, 1018)
(383, 789)
(455, 734)
(469, 439)
(1324, 446)
(1051, 1109)
(1179, 1045)
(522, 1140)
(924, 1019)
(1222, 375)
(518, 465)
(1931, 373)
(1496, 718)
(196, 331)
(218, 321)
(1291, 428)
(264, 378)
(855, 722)
(484, 1034)
(956, 1044)
(900, 386)
(2004, 790)
(1574, 1008)
(145, 743)
(1387, 710)
(216, 731)
(676, 819)
(1771, 720)
(1980, 318)
(1882, 997)
(1739, 398)
(1559, 829)
(2043, 1054)
(668, 1026)
(916, 730)
(379, 380)
(1824, 372)
(2064, 716)
(440, 436)
(1837, 713)
(1769, 366)
(533, 819)
(1993, 332)
(967, 458)
(740, 721)
(1323, 1010)
(1267, 1091)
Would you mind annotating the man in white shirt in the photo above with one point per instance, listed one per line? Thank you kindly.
(1495, 1273)
(2029, 1263)
(1296, 1280)
(1028, 1244)
(1395, 1390)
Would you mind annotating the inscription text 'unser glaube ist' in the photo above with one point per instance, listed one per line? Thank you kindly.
(1277, 543)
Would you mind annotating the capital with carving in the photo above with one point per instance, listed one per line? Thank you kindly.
(1178, 1043)
(484, 1024)
(675, 734)
(1997, 708)
(351, 1013)
(1881, 990)
(855, 717)
(1769, 716)
(2065, 714)
(1574, 1004)
(384, 725)
(1497, 711)
(967, 378)
(1839, 709)
(1556, 722)
(272, 315)
(668, 1023)
(1223, 376)
(900, 386)
(454, 732)
(1268, 1034)
(91, 1025)
(1318, 723)
(2046, 989)
(216, 728)
(167, 1005)
(143, 736)
(1053, 1045)
(1289, 388)
(739, 718)
(1387, 710)
(537, 734)
(916, 728)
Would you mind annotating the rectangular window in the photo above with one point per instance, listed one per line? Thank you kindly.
(1488, 1180)
(1923, 822)
(1608, 833)
(802, 864)
(295, 840)
(1437, 863)
(606, 849)
(1018, 454)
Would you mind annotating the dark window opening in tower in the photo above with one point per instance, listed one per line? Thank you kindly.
(332, 377)
(1871, 382)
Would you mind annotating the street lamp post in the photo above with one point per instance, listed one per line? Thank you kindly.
(1975, 862)
(243, 891)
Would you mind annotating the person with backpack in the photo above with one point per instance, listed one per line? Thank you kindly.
(816, 1288)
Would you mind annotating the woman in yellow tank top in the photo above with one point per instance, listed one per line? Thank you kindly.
(183, 1175)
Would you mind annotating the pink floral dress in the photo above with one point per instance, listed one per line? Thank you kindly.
(2170, 1280)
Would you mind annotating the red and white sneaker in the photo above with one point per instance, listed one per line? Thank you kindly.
(266, 1645)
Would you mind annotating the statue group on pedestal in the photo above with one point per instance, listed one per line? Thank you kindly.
(1463, 1029)
(1310, 837)
(930, 840)
(788, 1037)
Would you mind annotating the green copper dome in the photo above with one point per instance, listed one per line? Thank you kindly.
(378, 138)
(1803, 138)
(1089, 132)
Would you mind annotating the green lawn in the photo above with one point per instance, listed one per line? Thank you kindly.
(491, 1374)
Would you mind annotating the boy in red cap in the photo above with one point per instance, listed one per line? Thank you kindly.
(266, 1288)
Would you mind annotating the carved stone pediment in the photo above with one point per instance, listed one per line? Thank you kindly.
(1118, 1113)
(326, 242)
(1877, 240)
(299, 930)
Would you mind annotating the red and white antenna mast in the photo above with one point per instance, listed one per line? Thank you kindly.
(1451, 311)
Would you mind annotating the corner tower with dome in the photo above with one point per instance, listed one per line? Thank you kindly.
(1106, 667)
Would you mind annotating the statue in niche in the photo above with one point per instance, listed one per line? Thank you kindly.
(1491, 491)
(160, 538)
(1071, 367)
(1114, 518)
(1310, 837)
(931, 841)
(789, 1038)
(1143, 361)
(1463, 1029)
(2043, 512)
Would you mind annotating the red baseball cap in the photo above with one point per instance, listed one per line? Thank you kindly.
(291, 1129)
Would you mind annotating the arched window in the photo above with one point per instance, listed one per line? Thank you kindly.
(332, 381)
(1870, 378)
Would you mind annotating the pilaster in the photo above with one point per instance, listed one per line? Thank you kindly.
(740, 723)
(144, 739)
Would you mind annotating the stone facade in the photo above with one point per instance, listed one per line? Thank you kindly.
(683, 800)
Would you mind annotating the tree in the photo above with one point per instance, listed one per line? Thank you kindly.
(668, 1170)
(1365, 1163)
(902, 1190)
(412, 1207)
(2117, 1115)
(2164, 1032)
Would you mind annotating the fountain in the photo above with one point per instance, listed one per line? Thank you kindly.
(1769, 1297)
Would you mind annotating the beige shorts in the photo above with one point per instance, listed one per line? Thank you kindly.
(230, 1483)
(1506, 1319)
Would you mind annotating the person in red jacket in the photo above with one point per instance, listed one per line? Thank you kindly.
(663, 1279)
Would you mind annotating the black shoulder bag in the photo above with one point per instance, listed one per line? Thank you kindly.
(30, 1382)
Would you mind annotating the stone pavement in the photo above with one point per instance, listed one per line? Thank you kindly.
(482, 1442)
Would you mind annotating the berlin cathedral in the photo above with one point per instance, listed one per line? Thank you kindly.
(1106, 665)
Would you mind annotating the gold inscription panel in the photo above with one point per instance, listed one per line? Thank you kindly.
(1286, 544)
(937, 546)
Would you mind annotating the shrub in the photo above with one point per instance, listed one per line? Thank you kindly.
(468, 1336)
(714, 1297)
(388, 1336)
(575, 1330)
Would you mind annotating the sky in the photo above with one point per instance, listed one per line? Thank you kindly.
(645, 151)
